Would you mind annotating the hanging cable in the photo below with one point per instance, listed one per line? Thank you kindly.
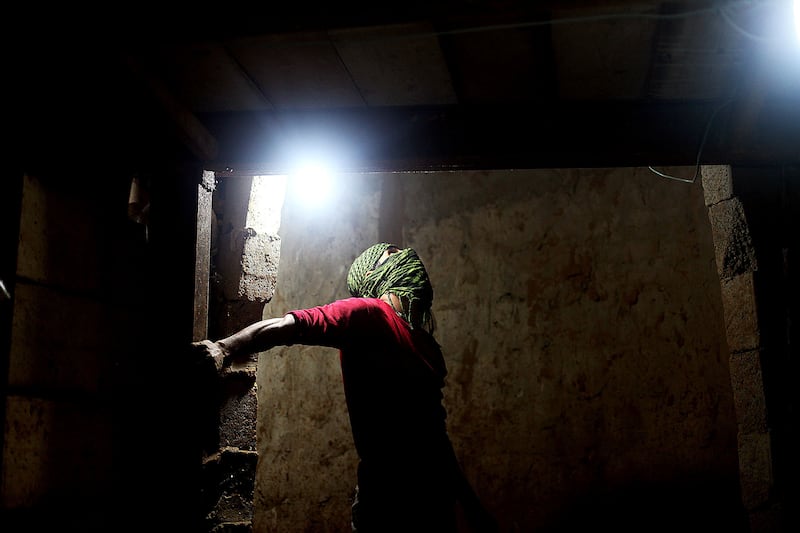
(699, 150)
(726, 16)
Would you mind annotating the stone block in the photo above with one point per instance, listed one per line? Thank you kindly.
(767, 520)
(717, 183)
(53, 448)
(259, 267)
(49, 351)
(237, 416)
(59, 236)
(748, 392)
(249, 246)
(755, 468)
(739, 308)
(232, 233)
(733, 245)
(231, 475)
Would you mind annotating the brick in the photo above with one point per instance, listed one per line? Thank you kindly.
(767, 520)
(733, 245)
(237, 426)
(748, 392)
(740, 312)
(259, 267)
(717, 183)
(231, 474)
(53, 447)
(755, 468)
(48, 351)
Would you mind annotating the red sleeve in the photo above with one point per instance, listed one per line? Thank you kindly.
(341, 323)
(359, 325)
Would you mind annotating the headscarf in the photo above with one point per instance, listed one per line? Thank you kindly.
(402, 274)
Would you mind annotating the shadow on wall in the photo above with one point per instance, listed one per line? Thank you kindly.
(684, 505)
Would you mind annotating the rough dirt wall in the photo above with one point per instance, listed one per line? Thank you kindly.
(580, 315)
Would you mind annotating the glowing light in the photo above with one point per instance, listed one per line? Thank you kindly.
(312, 183)
(797, 18)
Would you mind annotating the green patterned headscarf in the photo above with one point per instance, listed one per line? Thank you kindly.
(402, 274)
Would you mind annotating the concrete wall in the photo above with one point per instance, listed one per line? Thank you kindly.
(580, 314)
(59, 430)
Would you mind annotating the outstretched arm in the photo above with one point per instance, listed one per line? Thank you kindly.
(257, 337)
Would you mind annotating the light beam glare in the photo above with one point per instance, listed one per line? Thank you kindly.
(797, 19)
(312, 183)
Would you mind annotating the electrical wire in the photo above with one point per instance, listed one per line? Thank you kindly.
(750, 35)
(582, 19)
(715, 7)
(699, 150)
(723, 11)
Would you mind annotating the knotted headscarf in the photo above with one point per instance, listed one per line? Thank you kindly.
(402, 274)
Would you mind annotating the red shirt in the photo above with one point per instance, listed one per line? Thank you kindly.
(393, 375)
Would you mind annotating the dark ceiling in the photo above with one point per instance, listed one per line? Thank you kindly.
(460, 84)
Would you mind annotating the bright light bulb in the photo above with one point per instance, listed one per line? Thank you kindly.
(313, 184)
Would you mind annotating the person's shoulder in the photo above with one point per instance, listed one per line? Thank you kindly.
(355, 301)
(355, 304)
(374, 308)
(345, 310)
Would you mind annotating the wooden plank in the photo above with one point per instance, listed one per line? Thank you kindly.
(410, 67)
(297, 70)
(202, 271)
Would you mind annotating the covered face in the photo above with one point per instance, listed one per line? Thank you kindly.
(400, 272)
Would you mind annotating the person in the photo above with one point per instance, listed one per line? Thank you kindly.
(393, 370)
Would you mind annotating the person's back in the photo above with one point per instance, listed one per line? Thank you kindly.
(393, 377)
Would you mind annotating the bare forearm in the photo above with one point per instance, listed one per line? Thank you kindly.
(260, 336)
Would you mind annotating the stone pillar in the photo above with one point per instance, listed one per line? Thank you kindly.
(229, 472)
(246, 260)
(736, 266)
